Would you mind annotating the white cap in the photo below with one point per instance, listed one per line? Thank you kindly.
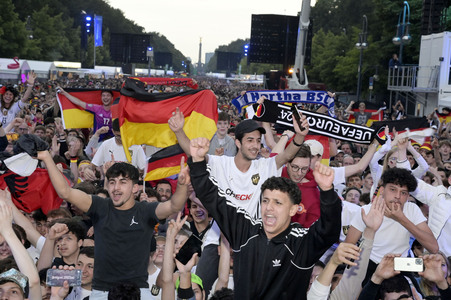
(315, 147)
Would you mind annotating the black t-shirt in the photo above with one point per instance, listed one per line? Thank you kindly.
(59, 261)
(122, 240)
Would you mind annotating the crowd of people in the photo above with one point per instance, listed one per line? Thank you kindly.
(253, 214)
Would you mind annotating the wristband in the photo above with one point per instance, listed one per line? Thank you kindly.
(73, 160)
(296, 144)
(185, 293)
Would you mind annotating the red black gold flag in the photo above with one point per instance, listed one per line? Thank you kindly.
(74, 116)
(443, 117)
(375, 118)
(168, 81)
(143, 118)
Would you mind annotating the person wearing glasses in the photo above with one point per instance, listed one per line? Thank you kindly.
(298, 170)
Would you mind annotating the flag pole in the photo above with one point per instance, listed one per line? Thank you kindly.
(94, 35)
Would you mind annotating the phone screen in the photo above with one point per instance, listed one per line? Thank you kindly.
(191, 246)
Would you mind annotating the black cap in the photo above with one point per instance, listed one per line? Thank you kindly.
(247, 126)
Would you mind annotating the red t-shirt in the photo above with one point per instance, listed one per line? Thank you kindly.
(309, 208)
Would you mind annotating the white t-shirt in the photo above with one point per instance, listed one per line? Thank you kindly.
(339, 180)
(109, 147)
(8, 115)
(78, 293)
(154, 289)
(391, 237)
(444, 238)
(243, 189)
(348, 212)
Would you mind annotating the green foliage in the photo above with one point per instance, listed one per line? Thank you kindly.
(56, 31)
(336, 25)
(13, 36)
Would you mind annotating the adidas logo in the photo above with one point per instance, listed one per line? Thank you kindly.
(276, 263)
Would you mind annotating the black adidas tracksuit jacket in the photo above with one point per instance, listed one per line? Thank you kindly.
(268, 269)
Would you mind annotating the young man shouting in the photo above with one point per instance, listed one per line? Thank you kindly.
(273, 258)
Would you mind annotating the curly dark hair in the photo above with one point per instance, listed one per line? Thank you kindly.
(125, 170)
(285, 185)
(401, 177)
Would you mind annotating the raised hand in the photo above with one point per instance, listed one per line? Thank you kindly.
(344, 253)
(324, 176)
(177, 120)
(102, 130)
(304, 124)
(375, 216)
(31, 78)
(6, 217)
(5, 196)
(394, 211)
(199, 148)
(175, 225)
(219, 151)
(184, 177)
(57, 230)
(385, 269)
(433, 270)
(189, 265)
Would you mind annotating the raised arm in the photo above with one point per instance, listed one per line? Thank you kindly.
(32, 234)
(46, 257)
(78, 198)
(350, 284)
(165, 278)
(20, 254)
(177, 201)
(376, 112)
(73, 99)
(384, 270)
(343, 254)
(433, 272)
(30, 83)
(176, 123)
(364, 162)
(224, 265)
(349, 108)
(291, 150)
(284, 138)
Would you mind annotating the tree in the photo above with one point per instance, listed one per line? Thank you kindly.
(51, 36)
(13, 35)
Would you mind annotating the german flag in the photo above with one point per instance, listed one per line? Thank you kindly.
(414, 128)
(143, 118)
(165, 162)
(370, 107)
(74, 116)
(189, 82)
(443, 117)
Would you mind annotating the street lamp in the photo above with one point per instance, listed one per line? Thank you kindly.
(402, 32)
(361, 45)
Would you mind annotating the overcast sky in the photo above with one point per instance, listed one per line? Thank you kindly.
(217, 22)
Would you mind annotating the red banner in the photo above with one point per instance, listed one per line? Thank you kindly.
(189, 82)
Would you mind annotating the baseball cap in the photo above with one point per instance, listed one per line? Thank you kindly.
(12, 275)
(315, 147)
(247, 126)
